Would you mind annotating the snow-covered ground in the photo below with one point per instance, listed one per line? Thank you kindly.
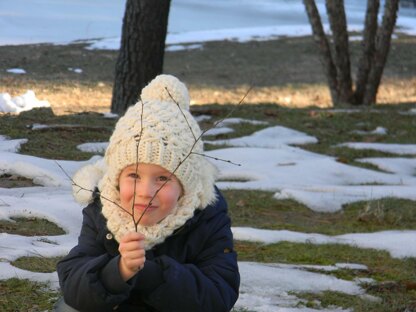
(267, 162)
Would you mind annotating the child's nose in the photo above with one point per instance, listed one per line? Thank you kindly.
(146, 188)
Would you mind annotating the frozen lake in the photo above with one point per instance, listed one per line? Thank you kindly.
(62, 21)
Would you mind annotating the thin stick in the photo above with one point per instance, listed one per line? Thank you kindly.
(215, 158)
(84, 189)
(138, 139)
(229, 113)
(183, 114)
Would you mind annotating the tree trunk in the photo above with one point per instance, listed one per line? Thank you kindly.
(338, 23)
(376, 45)
(325, 51)
(142, 49)
(383, 42)
(369, 46)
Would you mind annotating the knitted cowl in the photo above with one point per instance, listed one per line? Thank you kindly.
(155, 131)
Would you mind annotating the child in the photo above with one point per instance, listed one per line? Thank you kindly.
(181, 257)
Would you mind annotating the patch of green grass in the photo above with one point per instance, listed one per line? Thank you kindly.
(30, 227)
(367, 165)
(386, 213)
(260, 210)
(12, 181)
(210, 147)
(23, 295)
(262, 112)
(37, 264)
(58, 142)
(341, 273)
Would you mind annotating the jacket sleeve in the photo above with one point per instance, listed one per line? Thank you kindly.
(209, 282)
(84, 271)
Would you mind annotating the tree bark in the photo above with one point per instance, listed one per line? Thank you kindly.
(338, 23)
(383, 42)
(142, 49)
(325, 51)
(368, 49)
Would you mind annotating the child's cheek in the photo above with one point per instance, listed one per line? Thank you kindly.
(126, 192)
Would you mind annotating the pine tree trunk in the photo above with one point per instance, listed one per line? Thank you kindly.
(325, 51)
(141, 52)
(383, 42)
(369, 46)
(338, 23)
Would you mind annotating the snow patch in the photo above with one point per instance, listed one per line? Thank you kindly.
(20, 103)
(400, 149)
(18, 71)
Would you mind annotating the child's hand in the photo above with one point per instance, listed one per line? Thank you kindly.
(132, 253)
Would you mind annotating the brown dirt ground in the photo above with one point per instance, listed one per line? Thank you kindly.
(285, 71)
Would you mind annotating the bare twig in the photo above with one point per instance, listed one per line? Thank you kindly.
(216, 158)
(230, 112)
(85, 189)
(183, 114)
(138, 139)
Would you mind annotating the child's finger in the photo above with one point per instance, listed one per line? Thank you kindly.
(135, 254)
(132, 236)
(131, 245)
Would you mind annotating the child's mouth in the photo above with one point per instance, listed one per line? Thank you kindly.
(142, 208)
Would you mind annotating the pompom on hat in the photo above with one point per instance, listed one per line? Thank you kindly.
(167, 88)
(159, 130)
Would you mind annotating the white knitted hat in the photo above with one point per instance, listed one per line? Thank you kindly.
(159, 130)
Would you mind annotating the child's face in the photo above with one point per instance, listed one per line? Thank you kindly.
(149, 178)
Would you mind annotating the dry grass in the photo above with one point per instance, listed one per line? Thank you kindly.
(286, 72)
(300, 96)
(69, 99)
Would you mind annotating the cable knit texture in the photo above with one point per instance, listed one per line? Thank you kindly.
(165, 88)
(157, 130)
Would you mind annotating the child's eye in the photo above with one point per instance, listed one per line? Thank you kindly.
(163, 178)
(134, 175)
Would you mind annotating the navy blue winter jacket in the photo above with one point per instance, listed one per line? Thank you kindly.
(195, 269)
